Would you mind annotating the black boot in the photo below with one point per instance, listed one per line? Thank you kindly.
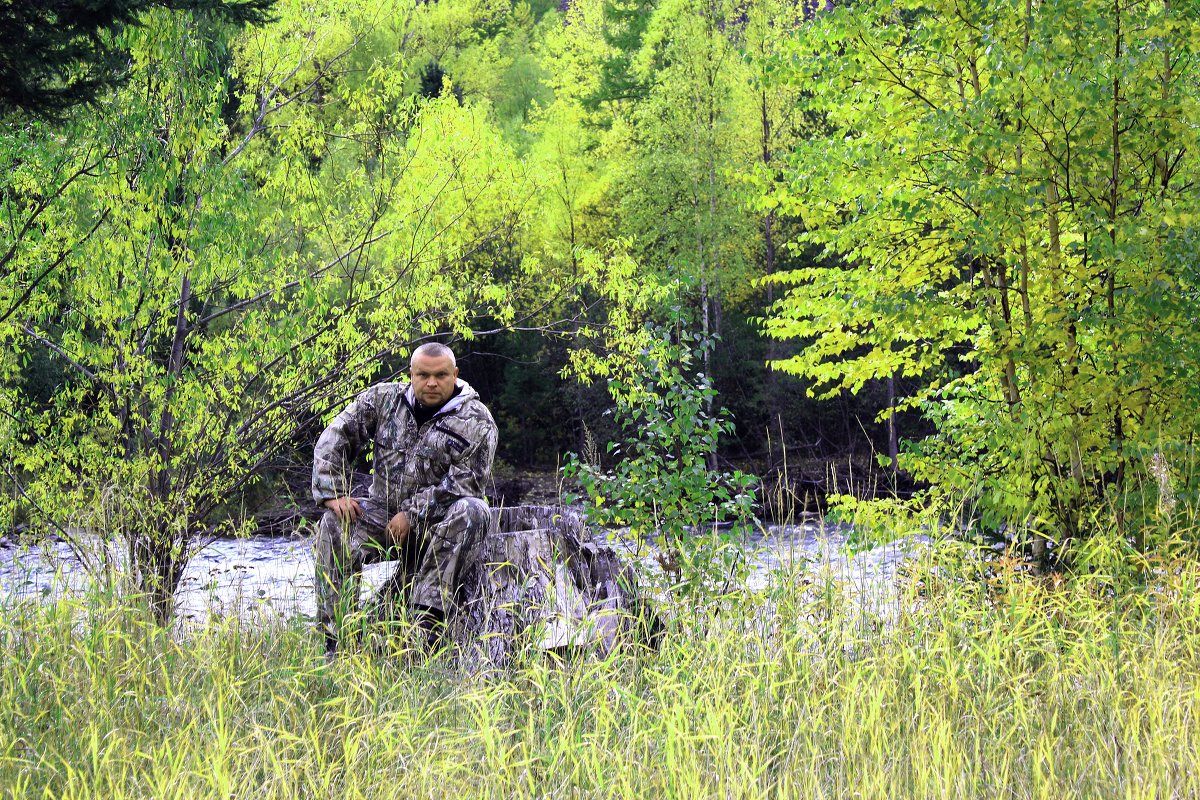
(432, 624)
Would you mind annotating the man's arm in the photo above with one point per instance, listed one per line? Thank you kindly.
(336, 450)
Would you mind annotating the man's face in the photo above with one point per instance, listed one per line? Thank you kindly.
(432, 379)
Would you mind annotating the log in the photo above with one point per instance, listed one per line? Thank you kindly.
(543, 580)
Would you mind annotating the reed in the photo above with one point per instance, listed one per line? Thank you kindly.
(972, 680)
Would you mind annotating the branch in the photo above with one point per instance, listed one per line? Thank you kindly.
(265, 109)
(43, 205)
(249, 301)
(87, 373)
(899, 80)
(51, 267)
(61, 530)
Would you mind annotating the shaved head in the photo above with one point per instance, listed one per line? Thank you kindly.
(435, 350)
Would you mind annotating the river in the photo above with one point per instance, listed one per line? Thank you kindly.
(273, 576)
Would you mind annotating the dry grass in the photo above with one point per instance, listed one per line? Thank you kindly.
(1010, 687)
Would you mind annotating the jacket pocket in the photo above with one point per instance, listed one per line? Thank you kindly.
(455, 442)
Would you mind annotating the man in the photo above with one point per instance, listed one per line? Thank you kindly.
(434, 442)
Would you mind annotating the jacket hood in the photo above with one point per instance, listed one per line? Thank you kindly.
(465, 393)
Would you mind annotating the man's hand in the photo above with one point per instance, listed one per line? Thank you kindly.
(347, 509)
(398, 528)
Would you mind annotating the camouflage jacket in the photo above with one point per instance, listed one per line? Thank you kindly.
(418, 469)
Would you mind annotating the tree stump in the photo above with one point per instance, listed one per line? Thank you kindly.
(543, 581)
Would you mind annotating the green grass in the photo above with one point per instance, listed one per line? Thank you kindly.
(1010, 686)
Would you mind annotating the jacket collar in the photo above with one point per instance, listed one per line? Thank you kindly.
(465, 393)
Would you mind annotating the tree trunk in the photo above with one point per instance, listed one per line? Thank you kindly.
(893, 434)
(543, 582)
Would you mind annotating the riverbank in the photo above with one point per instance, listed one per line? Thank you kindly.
(1010, 686)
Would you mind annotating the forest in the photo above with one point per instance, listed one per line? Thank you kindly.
(909, 265)
(883, 241)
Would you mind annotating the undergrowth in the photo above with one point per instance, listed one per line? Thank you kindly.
(973, 680)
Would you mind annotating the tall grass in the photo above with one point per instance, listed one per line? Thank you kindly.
(1004, 686)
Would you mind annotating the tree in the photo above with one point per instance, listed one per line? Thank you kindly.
(625, 23)
(250, 268)
(663, 487)
(1009, 191)
(780, 123)
(55, 54)
(679, 200)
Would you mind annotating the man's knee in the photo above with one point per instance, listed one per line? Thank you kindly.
(473, 511)
(467, 521)
(328, 531)
(338, 541)
(329, 523)
(331, 531)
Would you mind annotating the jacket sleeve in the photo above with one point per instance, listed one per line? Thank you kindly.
(340, 445)
(469, 475)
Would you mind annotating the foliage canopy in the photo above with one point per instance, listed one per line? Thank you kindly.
(1006, 194)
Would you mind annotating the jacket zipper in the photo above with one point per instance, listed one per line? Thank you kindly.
(453, 435)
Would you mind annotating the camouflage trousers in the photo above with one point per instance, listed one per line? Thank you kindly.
(432, 559)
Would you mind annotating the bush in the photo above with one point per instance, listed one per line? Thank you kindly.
(663, 485)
